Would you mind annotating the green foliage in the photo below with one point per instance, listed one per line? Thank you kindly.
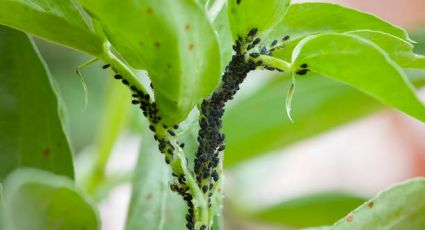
(153, 206)
(399, 50)
(306, 19)
(55, 20)
(400, 207)
(184, 46)
(361, 64)
(172, 40)
(39, 200)
(311, 210)
(245, 15)
(31, 130)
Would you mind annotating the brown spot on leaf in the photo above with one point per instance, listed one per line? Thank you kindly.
(371, 204)
(349, 218)
(187, 27)
(149, 196)
(46, 152)
(157, 44)
(191, 46)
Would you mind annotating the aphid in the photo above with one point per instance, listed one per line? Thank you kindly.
(170, 151)
(182, 145)
(135, 102)
(253, 31)
(270, 68)
(118, 77)
(175, 126)
(151, 127)
(205, 188)
(274, 42)
(256, 41)
(151, 86)
(304, 66)
(167, 160)
(215, 176)
(125, 82)
(106, 66)
(302, 72)
(147, 97)
(263, 50)
(286, 38)
(135, 95)
(254, 55)
(165, 126)
(203, 227)
(171, 132)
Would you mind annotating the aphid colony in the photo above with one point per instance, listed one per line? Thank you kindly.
(263, 50)
(166, 147)
(210, 139)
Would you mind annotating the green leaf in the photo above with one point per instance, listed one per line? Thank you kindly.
(55, 20)
(153, 205)
(173, 40)
(245, 15)
(31, 133)
(399, 50)
(361, 64)
(400, 207)
(221, 25)
(39, 200)
(311, 210)
(306, 19)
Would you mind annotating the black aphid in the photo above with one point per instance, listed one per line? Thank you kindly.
(253, 31)
(171, 132)
(254, 55)
(135, 102)
(286, 38)
(151, 127)
(106, 66)
(274, 42)
(118, 77)
(302, 72)
(304, 66)
(125, 82)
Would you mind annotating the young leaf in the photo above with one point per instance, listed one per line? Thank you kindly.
(311, 210)
(55, 20)
(153, 205)
(173, 40)
(39, 200)
(31, 133)
(399, 50)
(306, 19)
(244, 15)
(361, 64)
(400, 207)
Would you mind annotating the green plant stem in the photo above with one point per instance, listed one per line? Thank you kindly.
(176, 158)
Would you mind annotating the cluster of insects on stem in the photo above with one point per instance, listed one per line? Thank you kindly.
(206, 176)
